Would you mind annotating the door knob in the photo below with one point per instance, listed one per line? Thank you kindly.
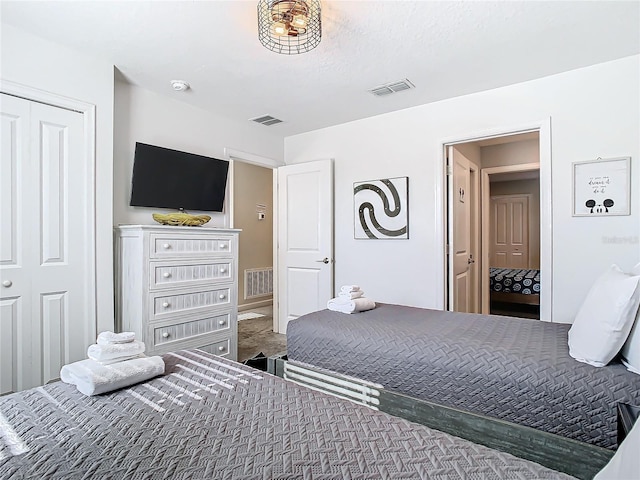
(324, 260)
(7, 283)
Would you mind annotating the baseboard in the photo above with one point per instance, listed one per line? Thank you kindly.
(252, 305)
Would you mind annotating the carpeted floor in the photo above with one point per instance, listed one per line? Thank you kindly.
(256, 335)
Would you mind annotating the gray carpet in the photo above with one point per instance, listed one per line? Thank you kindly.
(256, 335)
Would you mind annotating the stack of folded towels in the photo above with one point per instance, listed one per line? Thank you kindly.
(115, 361)
(350, 300)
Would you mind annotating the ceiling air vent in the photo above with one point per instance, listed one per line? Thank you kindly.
(267, 120)
(392, 87)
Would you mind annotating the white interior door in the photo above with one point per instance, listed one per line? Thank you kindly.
(462, 283)
(46, 319)
(305, 239)
(510, 231)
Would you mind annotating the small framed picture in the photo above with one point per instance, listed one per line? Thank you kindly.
(381, 209)
(602, 187)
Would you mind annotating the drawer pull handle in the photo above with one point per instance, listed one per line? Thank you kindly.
(165, 334)
(166, 304)
(221, 348)
(222, 296)
(223, 246)
(166, 275)
(223, 270)
(166, 246)
(222, 322)
(7, 283)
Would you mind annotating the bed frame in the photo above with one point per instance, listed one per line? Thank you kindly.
(515, 298)
(575, 458)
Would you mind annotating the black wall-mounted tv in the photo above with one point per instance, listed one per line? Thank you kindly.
(165, 178)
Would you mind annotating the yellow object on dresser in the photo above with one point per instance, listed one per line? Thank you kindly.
(184, 219)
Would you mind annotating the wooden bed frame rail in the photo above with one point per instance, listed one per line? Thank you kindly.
(575, 458)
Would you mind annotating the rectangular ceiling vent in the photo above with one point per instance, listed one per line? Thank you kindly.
(267, 120)
(392, 87)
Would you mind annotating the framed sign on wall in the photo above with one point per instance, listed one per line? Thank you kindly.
(602, 187)
(381, 209)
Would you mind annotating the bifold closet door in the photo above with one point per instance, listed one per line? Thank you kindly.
(43, 249)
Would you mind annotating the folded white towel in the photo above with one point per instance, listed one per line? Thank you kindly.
(115, 351)
(351, 306)
(91, 378)
(119, 359)
(349, 288)
(351, 295)
(107, 338)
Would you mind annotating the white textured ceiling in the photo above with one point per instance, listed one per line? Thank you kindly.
(446, 49)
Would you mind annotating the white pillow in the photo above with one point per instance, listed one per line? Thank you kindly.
(605, 318)
(631, 348)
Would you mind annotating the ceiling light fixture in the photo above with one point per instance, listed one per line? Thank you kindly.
(289, 27)
(180, 85)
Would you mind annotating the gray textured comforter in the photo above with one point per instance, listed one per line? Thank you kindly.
(215, 419)
(513, 369)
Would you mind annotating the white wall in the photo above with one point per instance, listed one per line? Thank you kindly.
(144, 116)
(595, 112)
(40, 64)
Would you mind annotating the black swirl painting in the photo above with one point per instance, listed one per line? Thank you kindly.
(382, 208)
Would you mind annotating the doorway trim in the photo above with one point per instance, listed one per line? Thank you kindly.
(543, 127)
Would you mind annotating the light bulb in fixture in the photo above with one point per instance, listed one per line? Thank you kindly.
(300, 21)
(280, 28)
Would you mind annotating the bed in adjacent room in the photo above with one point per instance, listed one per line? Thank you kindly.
(208, 417)
(514, 370)
(514, 285)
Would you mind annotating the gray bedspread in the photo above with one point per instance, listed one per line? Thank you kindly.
(514, 369)
(215, 419)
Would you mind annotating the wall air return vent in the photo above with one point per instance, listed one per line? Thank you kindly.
(392, 87)
(267, 120)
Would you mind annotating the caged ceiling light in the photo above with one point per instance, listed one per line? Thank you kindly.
(289, 27)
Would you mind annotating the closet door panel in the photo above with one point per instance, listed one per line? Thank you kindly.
(45, 250)
(58, 291)
(16, 343)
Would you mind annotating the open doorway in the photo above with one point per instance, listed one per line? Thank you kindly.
(493, 213)
(252, 211)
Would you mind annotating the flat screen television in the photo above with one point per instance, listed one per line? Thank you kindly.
(165, 178)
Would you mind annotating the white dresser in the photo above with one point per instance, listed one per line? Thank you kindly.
(176, 287)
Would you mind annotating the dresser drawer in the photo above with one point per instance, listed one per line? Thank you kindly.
(167, 246)
(164, 305)
(164, 275)
(164, 335)
(220, 348)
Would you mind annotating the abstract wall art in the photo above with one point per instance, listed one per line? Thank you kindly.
(381, 209)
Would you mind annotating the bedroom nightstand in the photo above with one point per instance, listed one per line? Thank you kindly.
(627, 416)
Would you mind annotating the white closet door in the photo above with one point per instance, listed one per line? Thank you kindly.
(43, 297)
